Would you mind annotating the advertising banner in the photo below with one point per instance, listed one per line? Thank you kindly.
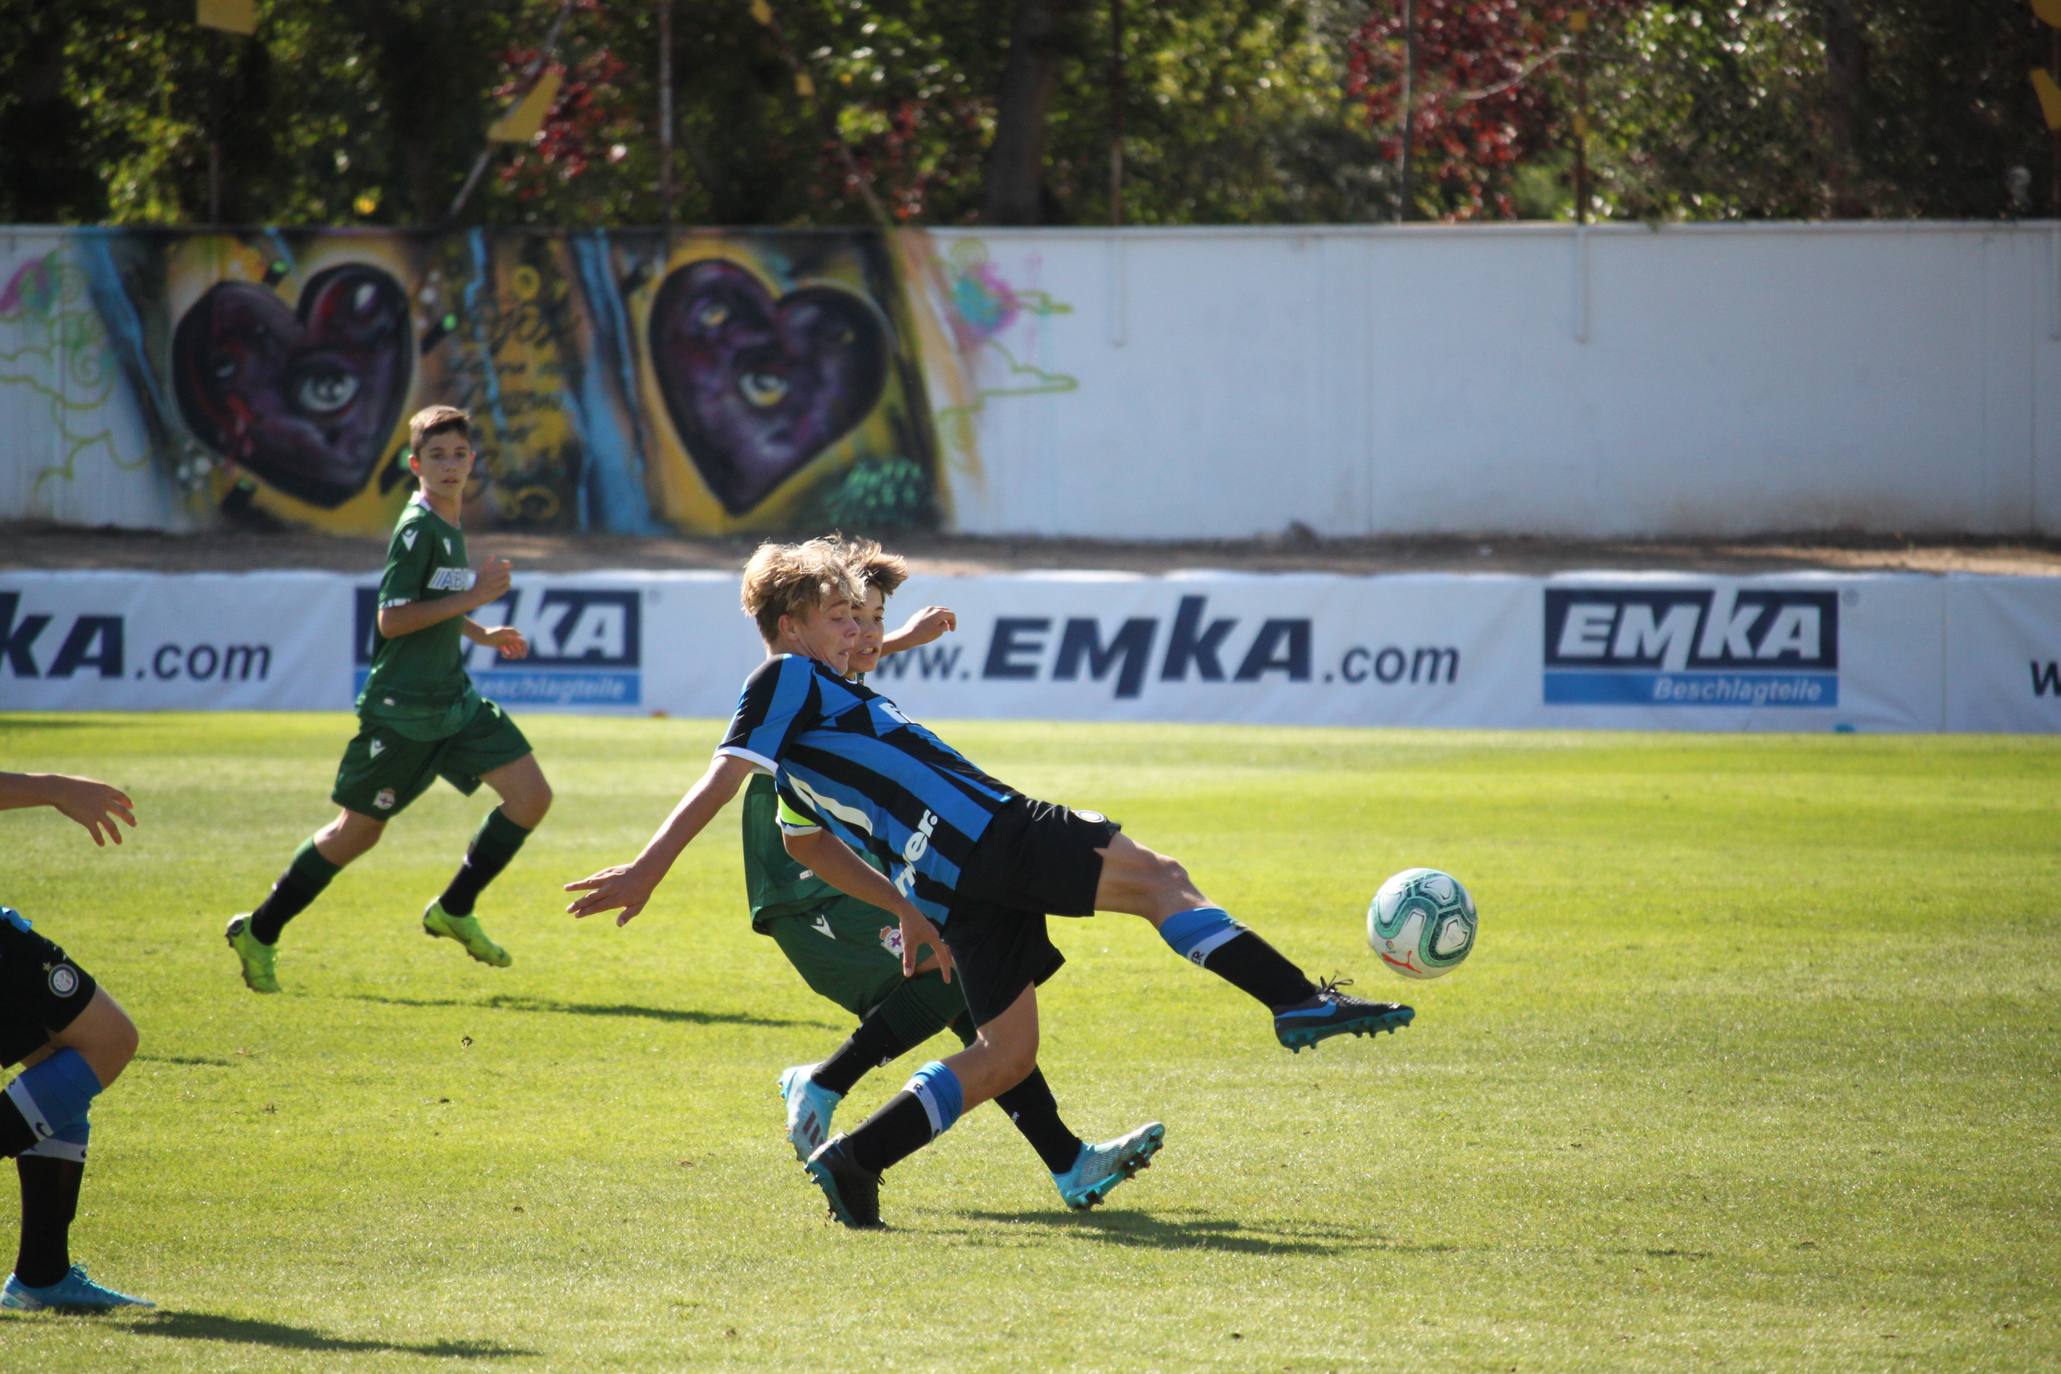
(2003, 653)
(1669, 651)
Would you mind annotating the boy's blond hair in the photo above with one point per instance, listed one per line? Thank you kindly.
(790, 579)
(436, 420)
(873, 566)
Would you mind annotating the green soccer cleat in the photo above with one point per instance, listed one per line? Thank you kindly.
(1101, 1167)
(72, 1293)
(465, 930)
(257, 957)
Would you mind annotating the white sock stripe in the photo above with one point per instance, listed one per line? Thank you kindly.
(1211, 943)
(930, 1109)
(53, 1148)
(25, 1102)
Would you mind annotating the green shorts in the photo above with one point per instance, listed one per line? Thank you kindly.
(850, 953)
(383, 770)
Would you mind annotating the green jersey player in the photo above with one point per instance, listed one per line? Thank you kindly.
(419, 717)
(851, 953)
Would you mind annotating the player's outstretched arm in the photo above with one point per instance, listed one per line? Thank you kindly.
(925, 625)
(93, 804)
(834, 862)
(628, 887)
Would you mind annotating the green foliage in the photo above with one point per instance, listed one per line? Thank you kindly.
(1752, 1068)
(1232, 111)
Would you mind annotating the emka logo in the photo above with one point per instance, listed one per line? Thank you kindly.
(1712, 646)
(1191, 645)
(586, 647)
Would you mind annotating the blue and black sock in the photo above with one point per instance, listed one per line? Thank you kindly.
(1208, 937)
(44, 1099)
(922, 1111)
(50, 1176)
(301, 884)
(493, 845)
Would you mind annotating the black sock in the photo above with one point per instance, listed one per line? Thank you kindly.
(301, 884)
(899, 1024)
(892, 1134)
(1031, 1106)
(16, 1134)
(493, 845)
(1257, 969)
(49, 1201)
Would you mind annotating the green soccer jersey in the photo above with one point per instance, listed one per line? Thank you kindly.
(418, 685)
(776, 884)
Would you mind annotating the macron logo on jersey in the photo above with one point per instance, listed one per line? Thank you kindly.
(408, 539)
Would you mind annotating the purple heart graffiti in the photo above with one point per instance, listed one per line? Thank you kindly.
(756, 386)
(304, 399)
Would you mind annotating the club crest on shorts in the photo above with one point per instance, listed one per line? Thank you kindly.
(891, 940)
(385, 800)
(1091, 817)
(64, 980)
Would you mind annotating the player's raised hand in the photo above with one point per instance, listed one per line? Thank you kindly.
(925, 625)
(506, 641)
(619, 887)
(93, 804)
(491, 582)
(917, 931)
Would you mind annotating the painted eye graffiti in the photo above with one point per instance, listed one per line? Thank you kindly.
(324, 391)
(712, 314)
(763, 389)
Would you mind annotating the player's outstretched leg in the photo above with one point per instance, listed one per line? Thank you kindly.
(1136, 880)
(848, 1168)
(1304, 1012)
(905, 1018)
(1099, 1168)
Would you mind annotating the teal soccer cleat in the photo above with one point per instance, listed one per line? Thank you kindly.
(1101, 1167)
(853, 1192)
(1332, 1012)
(808, 1110)
(72, 1293)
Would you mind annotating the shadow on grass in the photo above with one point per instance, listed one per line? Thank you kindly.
(1193, 1231)
(194, 1060)
(208, 1326)
(517, 1002)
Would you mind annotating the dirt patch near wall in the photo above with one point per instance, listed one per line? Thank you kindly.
(55, 547)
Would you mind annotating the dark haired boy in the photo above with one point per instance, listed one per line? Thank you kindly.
(419, 717)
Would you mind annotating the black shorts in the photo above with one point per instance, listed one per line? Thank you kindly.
(41, 990)
(1038, 856)
(997, 952)
(1034, 858)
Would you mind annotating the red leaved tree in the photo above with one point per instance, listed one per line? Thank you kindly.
(1492, 90)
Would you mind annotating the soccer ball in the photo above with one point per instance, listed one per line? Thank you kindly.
(1421, 922)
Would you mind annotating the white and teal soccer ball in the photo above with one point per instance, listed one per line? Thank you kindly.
(1421, 922)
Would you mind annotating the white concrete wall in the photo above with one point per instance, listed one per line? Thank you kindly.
(1533, 379)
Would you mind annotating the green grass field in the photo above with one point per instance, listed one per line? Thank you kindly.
(1754, 1067)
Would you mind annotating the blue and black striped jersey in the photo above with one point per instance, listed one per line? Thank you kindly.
(845, 757)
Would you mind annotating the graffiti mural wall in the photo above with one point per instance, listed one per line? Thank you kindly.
(618, 382)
